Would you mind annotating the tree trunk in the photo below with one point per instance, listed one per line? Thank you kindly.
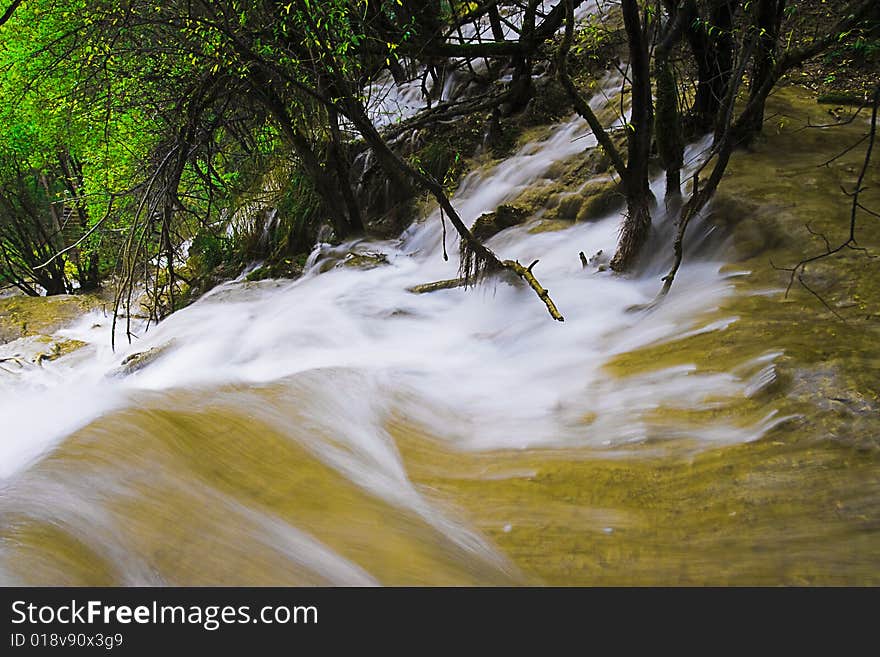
(324, 183)
(670, 141)
(637, 223)
(521, 87)
(768, 20)
(712, 44)
(86, 259)
(343, 173)
(667, 123)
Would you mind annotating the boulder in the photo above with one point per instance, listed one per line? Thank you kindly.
(492, 223)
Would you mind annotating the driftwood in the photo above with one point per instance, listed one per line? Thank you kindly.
(448, 284)
(524, 273)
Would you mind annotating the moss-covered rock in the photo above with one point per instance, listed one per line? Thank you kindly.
(159, 301)
(364, 260)
(57, 349)
(592, 201)
(492, 223)
(548, 225)
(21, 316)
(599, 198)
(36, 350)
(283, 268)
(568, 207)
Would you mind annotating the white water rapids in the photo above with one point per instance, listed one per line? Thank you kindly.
(488, 366)
(346, 349)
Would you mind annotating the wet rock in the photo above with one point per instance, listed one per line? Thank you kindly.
(365, 259)
(22, 316)
(37, 349)
(592, 201)
(286, 268)
(756, 225)
(598, 261)
(58, 349)
(569, 206)
(332, 257)
(548, 226)
(843, 412)
(599, 199)
(138, 361)
(492, 223)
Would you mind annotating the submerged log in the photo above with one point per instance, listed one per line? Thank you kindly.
(448, 284)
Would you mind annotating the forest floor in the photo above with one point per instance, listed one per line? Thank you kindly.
(846, 74)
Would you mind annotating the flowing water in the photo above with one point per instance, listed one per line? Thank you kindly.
(339, 429)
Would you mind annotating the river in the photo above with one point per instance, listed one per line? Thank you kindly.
(339, 429)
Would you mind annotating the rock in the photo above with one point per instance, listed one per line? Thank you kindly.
(592, 201)
(138, 361)
(21, 316)
(569, 206)
(549, 226)
(332, 257)
(364, 260)
(37, 349)
(598, 259)
(58, 349)
(755, 226)
(599, 198)
(286, 268)
(492, 223)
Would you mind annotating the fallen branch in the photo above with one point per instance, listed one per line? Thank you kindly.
(525, 273)
(17, 360)
(448, 284)
(477, 260)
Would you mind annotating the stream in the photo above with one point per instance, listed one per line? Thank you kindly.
(339, 429)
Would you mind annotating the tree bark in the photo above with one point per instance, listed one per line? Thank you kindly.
(768, 20)
(637, 223)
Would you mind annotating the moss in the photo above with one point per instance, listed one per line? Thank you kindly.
(549, 225)
(830, 370)
(842, 98)
(21, 316)
(57, 349)
(283, 268)
(599, 200)
(158, 300)
(364, 260)
(446, 150)
(591, 201)
(726, 517)
(492, 223)
(568, 207)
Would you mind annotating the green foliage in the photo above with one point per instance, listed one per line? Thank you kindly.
(589, 39)
(207, 252)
